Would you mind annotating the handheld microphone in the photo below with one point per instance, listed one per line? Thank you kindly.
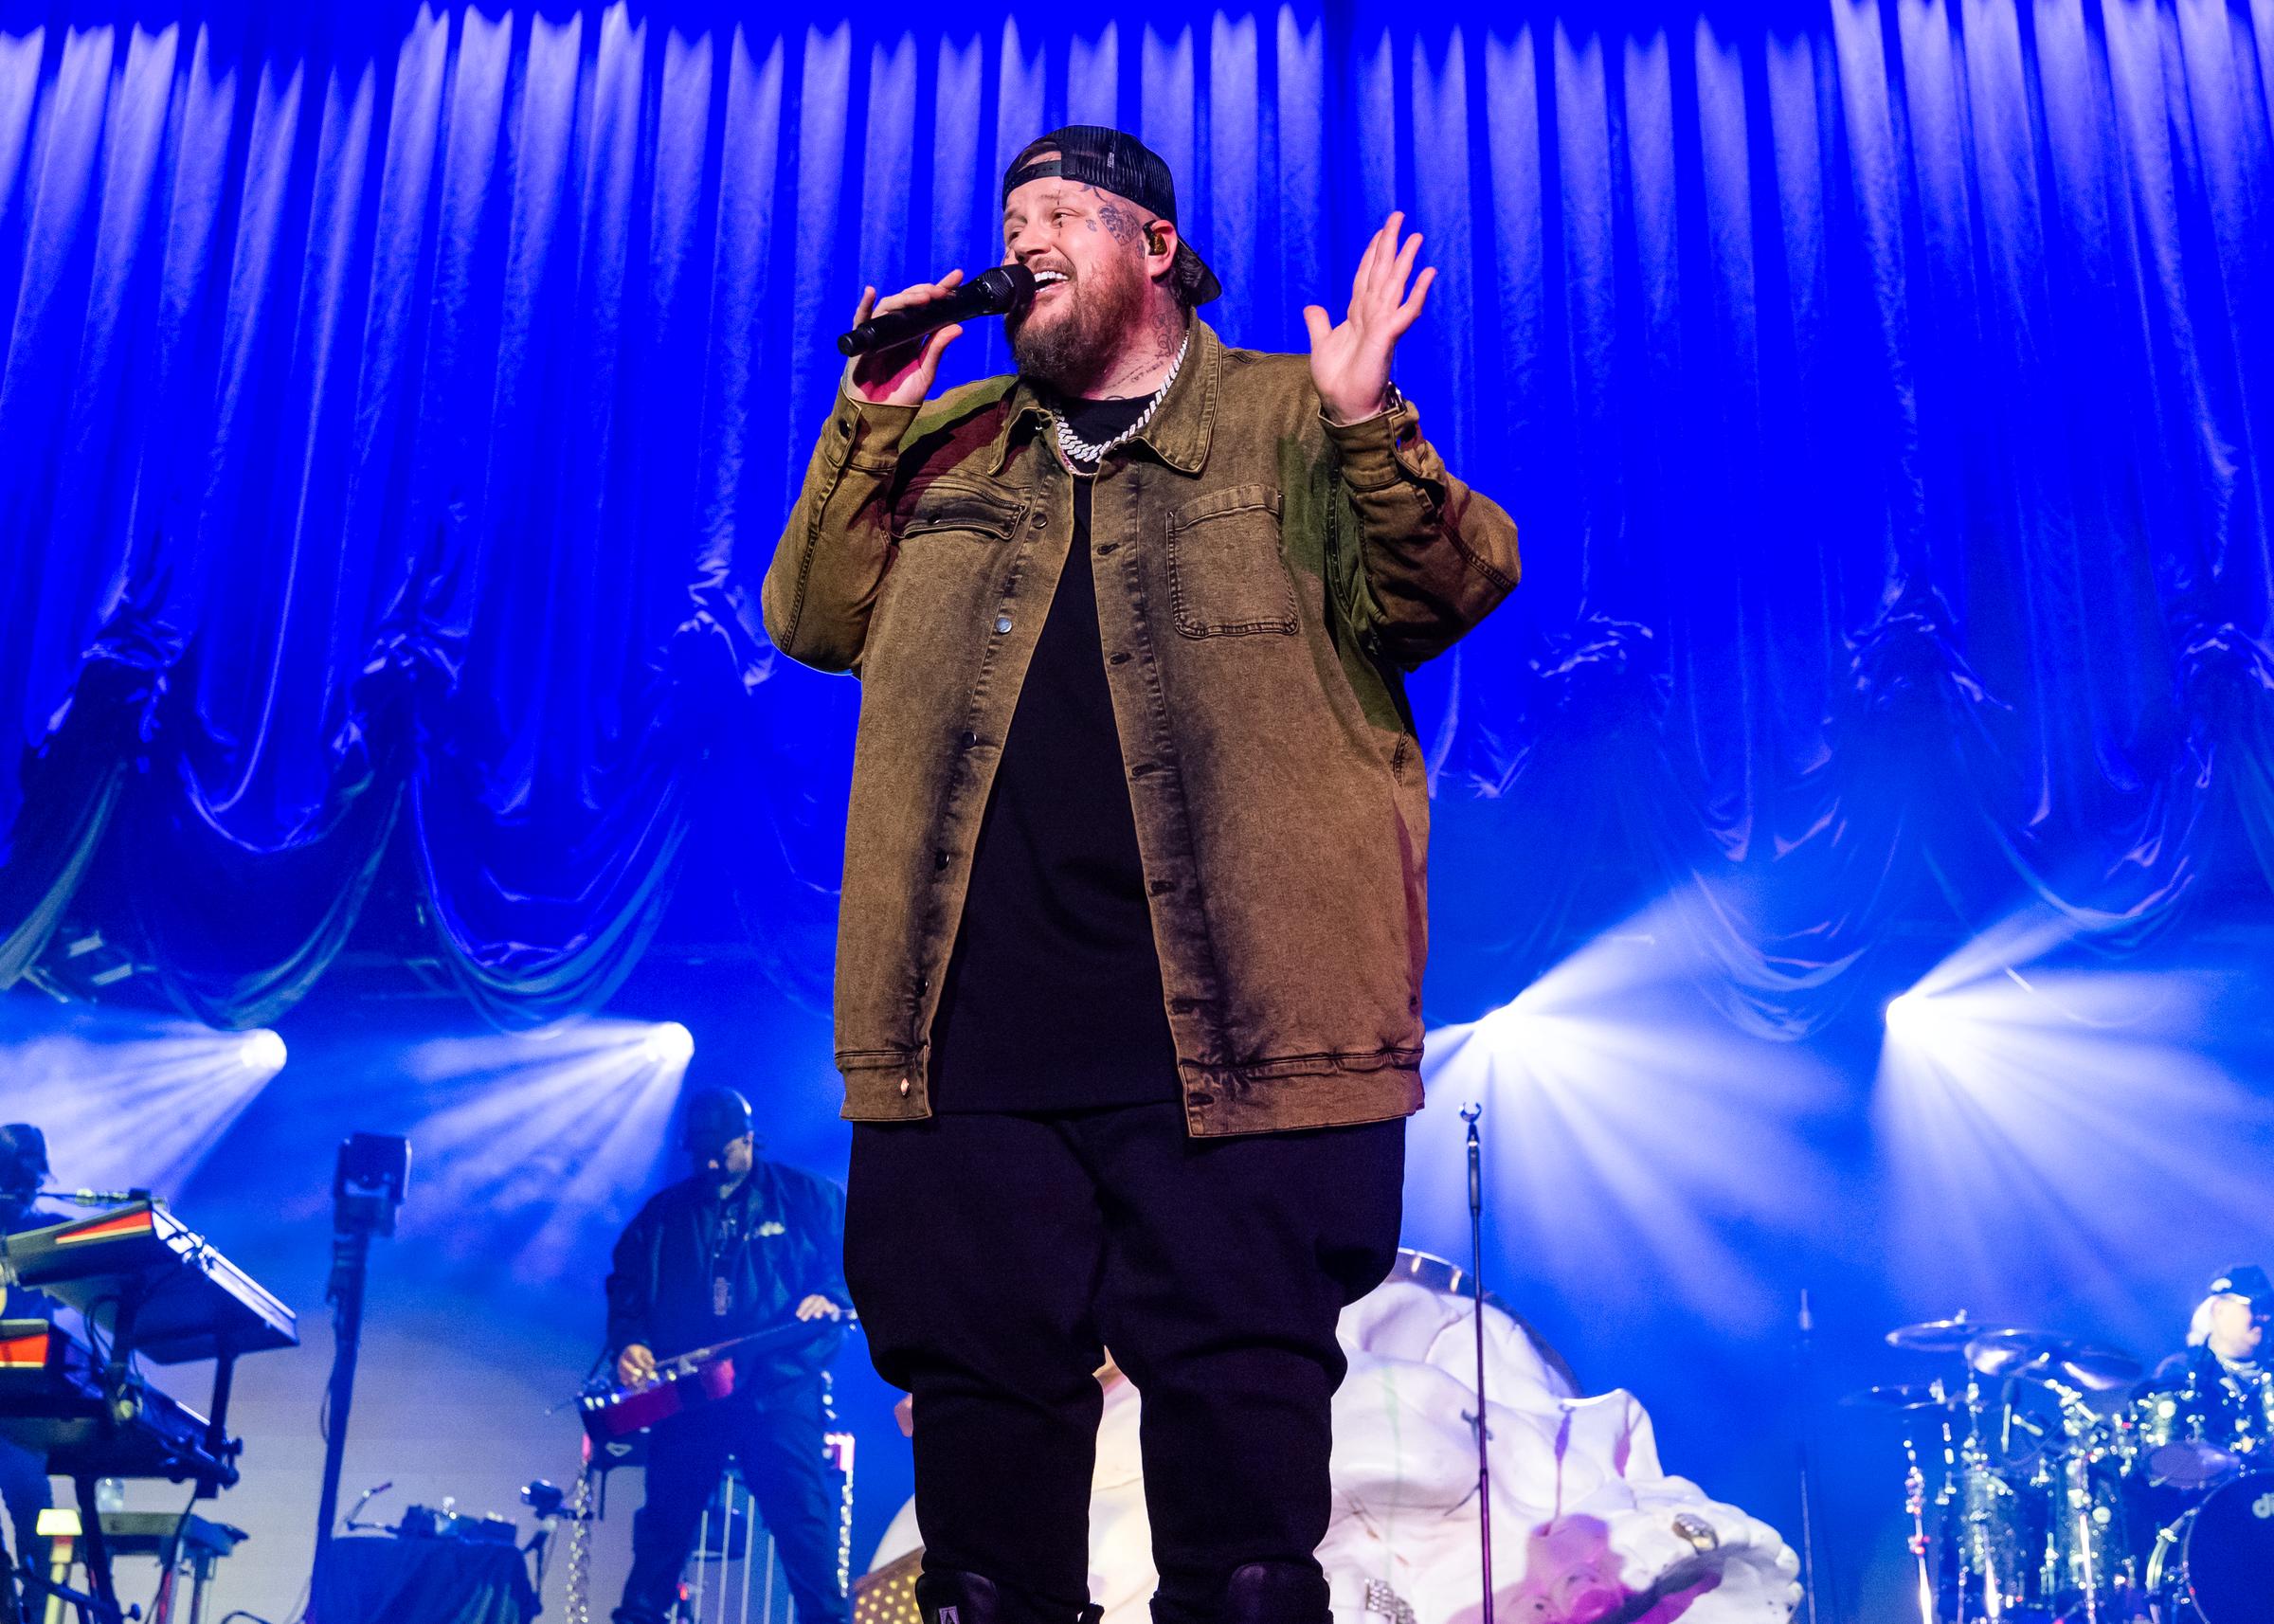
(1000, 292)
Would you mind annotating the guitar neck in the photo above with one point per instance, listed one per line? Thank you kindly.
(700, 1355)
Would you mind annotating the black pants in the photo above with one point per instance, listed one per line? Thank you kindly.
(994, 1258)
(777, 1447)
(24, 1492)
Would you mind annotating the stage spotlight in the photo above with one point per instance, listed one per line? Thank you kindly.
(550, 1136)
(1910, 1014)
(669, 1044)
(1627, 1129)
(130, 1101)
(2042, 1123)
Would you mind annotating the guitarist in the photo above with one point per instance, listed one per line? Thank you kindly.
(742, 1246)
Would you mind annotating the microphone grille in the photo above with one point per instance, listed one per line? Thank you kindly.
(1009, 288)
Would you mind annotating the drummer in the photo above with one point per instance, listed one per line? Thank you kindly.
(2221, 1367)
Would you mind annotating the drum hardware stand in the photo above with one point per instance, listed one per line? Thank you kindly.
(1955, 1457)
(2076, 1490)
(1980, 1548)
(1470, 1113)
(1914, 1502)
(2078, 1476)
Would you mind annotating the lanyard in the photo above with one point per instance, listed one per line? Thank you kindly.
(727, 1243)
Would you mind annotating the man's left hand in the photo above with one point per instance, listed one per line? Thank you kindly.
(1350, 361)
(819, 1307)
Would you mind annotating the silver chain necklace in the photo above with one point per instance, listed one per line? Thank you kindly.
(1076, 449)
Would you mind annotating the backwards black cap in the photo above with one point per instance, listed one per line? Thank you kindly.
(2246, 1280)
(716, 1118)
(1117, 162)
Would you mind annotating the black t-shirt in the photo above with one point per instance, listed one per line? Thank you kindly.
(1053, 998)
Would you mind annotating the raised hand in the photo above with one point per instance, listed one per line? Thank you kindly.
(1350, 360)
(903, 374)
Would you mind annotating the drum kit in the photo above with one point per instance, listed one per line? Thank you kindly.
(2049, 1483)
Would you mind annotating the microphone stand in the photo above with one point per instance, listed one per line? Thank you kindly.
(1804, 1352)
(1470, 1113)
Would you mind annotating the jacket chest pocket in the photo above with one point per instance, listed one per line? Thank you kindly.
(948, 549)
(1225, 575)
(978, 512)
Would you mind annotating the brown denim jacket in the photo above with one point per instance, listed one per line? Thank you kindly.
(1264, 579)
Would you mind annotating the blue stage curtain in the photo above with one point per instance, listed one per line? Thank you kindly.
(399, 403)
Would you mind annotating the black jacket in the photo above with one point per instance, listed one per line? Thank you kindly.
(779, 1239)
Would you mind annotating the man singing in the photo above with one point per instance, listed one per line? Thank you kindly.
(1129, 996)
(743, 1246)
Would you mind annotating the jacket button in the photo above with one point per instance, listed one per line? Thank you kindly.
(1003, 622)
(1104, 548)
(923, 985)
(1162, 887)
(968, 739)
(939, 861)
(1117, 659)
(1040, 520)
(844, 425)
(904, 1088)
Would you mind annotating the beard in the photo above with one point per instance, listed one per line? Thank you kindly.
(1069, 348)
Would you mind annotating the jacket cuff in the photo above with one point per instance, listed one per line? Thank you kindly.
(865, 434)
(1368, 449)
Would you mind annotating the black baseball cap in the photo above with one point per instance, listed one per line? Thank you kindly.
(1114, 161)
(2246, 1280)
(23, 1158)
(716, 1118)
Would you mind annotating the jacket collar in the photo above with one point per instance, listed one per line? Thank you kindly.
(1179, 431)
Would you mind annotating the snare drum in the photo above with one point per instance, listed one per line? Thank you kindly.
(2213, 1565)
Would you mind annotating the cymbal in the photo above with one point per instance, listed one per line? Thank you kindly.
(2007, 1351)
(2098, 1369)
(2040, 1355)
(1905, 1395)
(1936, 1336)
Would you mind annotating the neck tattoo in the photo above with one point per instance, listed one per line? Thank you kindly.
(1076, 449)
